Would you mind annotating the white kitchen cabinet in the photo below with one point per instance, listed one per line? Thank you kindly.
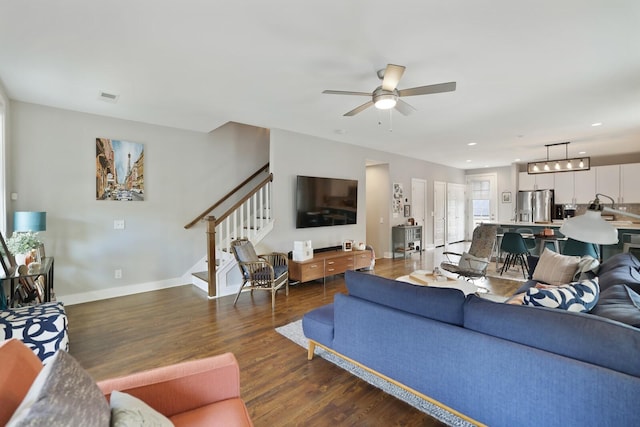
(564, 188)
(584, 186)
(608, 181)
(528, 182)
(545, 181)
(630, 183)
(575, 187)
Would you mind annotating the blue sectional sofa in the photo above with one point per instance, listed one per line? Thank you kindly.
(493, 363)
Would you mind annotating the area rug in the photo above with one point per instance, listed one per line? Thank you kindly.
(514, 273)
(293, 331)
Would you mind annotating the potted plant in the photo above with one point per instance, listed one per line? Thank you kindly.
(23, 244)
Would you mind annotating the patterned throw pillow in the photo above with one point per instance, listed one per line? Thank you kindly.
(579, 296)
(555, 269)
(63, 394)
(129, 411)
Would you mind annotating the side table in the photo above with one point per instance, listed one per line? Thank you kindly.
(46, 270)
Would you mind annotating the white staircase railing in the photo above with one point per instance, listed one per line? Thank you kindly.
(249, 218)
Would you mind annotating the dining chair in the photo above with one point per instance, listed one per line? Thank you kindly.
(514, 246)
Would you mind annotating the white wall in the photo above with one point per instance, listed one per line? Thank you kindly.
(52, 168)
(295, 154)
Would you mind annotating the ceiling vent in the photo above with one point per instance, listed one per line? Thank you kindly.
(108, 97)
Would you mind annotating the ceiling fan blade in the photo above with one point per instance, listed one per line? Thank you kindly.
(426, 90)
(344, 92)
(359, 109)
(404, 108)
(392, 76)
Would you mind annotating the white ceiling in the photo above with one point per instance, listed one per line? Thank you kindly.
(528, 73)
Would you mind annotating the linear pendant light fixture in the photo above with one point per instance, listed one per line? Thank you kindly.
(560, 165)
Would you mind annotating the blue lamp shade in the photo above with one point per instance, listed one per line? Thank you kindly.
(29, 221)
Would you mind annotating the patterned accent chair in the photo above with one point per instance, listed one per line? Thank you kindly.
(473, 264)
(268, 272)
(42, 327)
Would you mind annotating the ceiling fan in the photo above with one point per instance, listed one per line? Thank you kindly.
(387, 95)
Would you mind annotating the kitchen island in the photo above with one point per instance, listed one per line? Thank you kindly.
(625, 230)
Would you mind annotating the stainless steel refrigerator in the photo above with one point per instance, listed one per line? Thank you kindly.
(534, 206)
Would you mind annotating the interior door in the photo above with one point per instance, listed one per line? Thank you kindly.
(439, 212)
(419, 204)
(455, 212)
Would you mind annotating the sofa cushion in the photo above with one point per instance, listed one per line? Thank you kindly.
(624, 259)
(318, 325)
(224, 413)
(620, 269)
(19, 367)
(62, 394)
(580, 336)
(578, 296)
(443, 304)
(620, 303)
(555, 269)
(129, 411)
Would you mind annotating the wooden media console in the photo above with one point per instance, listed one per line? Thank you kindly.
(328, 263)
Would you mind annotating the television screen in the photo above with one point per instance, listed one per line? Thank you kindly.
(322, 202)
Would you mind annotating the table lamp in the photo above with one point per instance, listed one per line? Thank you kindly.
(29, 221)
(24, 221)
(591, 227)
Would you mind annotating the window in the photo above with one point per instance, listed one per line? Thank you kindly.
(480, 201)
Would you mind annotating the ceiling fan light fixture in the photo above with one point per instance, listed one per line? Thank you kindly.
(385, 101)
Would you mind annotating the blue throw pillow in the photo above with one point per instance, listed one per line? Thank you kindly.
(578, 296)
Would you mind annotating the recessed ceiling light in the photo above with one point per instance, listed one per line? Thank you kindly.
(596, 124)
(582, 152)
(516, 160)
(468, 161)
(340, 131)
(471, 144)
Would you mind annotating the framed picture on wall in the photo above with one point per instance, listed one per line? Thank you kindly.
(506, 197)
(407, 210)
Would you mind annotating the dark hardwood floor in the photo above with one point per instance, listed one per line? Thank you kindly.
(280, 387)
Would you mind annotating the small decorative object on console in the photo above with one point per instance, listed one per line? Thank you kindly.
(302, 250)
(347, 245)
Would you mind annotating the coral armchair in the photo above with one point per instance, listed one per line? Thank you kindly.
(203, 392)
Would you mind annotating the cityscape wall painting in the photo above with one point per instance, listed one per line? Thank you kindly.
(119, 170)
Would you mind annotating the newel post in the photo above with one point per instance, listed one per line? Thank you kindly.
(211, 255)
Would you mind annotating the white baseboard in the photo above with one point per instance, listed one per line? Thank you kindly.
(120, 291)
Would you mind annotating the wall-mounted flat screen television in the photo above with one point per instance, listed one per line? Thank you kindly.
(322, 202)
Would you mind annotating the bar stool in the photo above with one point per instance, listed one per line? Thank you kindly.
(530, 242)
(513, 244)
(577, 248)
(542, 241)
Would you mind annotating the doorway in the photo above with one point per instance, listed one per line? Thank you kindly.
(483, 200)
(439, 213)
(419, 205)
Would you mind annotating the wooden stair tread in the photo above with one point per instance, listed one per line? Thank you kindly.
(202, 275)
